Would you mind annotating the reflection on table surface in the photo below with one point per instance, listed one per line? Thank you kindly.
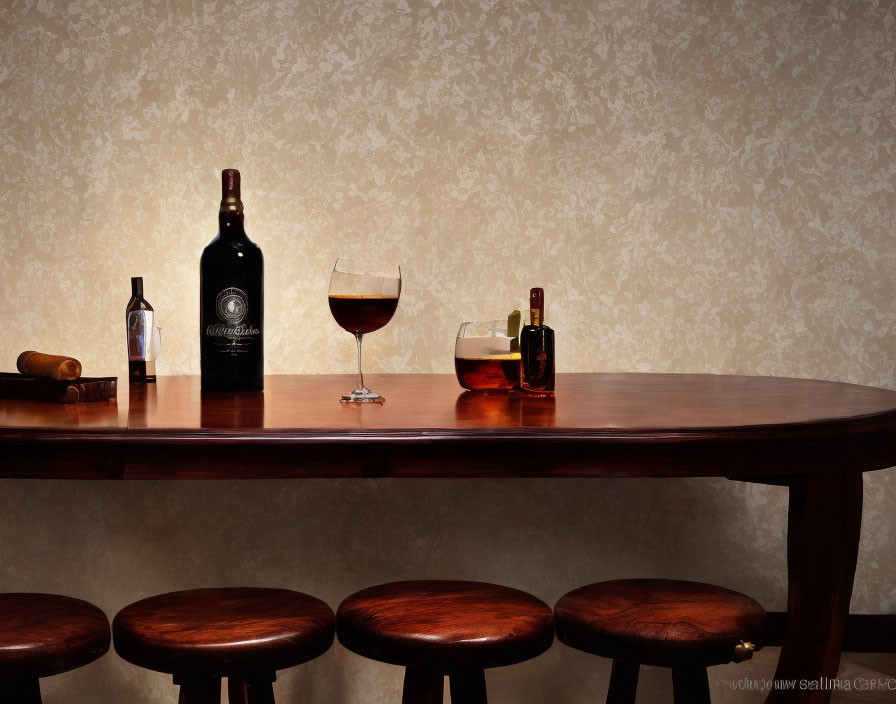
(478, 408)
(436, 401)
(44, 414)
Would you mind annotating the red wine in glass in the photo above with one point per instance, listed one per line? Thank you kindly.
(363, 297)
(360, 313)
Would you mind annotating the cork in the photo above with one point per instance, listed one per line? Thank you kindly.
(53, 366)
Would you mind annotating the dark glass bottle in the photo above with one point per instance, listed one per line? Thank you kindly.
(140, 323)
(231, 300)
(537, 349)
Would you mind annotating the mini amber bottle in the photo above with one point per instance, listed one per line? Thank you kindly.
(537, 349)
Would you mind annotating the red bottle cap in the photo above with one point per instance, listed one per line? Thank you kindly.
(536, 306)
(230, 184)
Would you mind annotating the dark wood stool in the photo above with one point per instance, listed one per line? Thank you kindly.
(439, 628)
(43, 635)
(243, 634)
(685, 626)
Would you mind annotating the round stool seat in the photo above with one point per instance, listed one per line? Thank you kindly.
(223, 632)
(445, 625)
(659, 622)
(46, 634)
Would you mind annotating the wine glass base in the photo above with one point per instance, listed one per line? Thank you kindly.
(362, 395)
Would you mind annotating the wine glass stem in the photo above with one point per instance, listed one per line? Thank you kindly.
(358, 336)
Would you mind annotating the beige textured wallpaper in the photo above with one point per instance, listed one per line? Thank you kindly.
(700, 186)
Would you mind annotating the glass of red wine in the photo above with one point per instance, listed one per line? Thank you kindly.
(363, 297)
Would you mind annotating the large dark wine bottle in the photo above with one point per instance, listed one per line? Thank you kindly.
(231, 301)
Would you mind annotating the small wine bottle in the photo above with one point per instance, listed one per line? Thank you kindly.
(140, 320)
(231, 300)
(537, 349)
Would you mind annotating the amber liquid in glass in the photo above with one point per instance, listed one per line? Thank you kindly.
(488, 373)
(362, 314)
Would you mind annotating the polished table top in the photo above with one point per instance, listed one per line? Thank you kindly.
(596, 402)
(790, 425)
(814, 436)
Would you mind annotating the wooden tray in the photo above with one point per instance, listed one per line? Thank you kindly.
(35, 388)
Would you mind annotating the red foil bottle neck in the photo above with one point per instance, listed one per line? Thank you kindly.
(230, 192)
(230, 184)
(536, 306)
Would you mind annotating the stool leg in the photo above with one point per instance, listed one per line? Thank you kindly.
(251, 690)
(690, 686)
(422, 687)
(20, 691)
(206, 690)
(468, 687)
(236, 691)
(260, 690)
(623, 682)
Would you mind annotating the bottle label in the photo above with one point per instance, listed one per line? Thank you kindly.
(139, 335)
(144, 336)
(232, 307)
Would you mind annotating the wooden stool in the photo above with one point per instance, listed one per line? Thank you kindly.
(685, 626)
(439, 628)
(43, 635)
(243, 634)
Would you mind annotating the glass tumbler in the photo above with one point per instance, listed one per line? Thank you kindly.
(487, 357)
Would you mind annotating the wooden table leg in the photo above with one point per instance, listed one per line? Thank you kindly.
(690, 685)
(824, 521)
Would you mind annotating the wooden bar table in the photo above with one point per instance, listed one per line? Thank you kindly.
(815, 437)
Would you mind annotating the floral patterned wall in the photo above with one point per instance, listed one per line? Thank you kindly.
(699, 186)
